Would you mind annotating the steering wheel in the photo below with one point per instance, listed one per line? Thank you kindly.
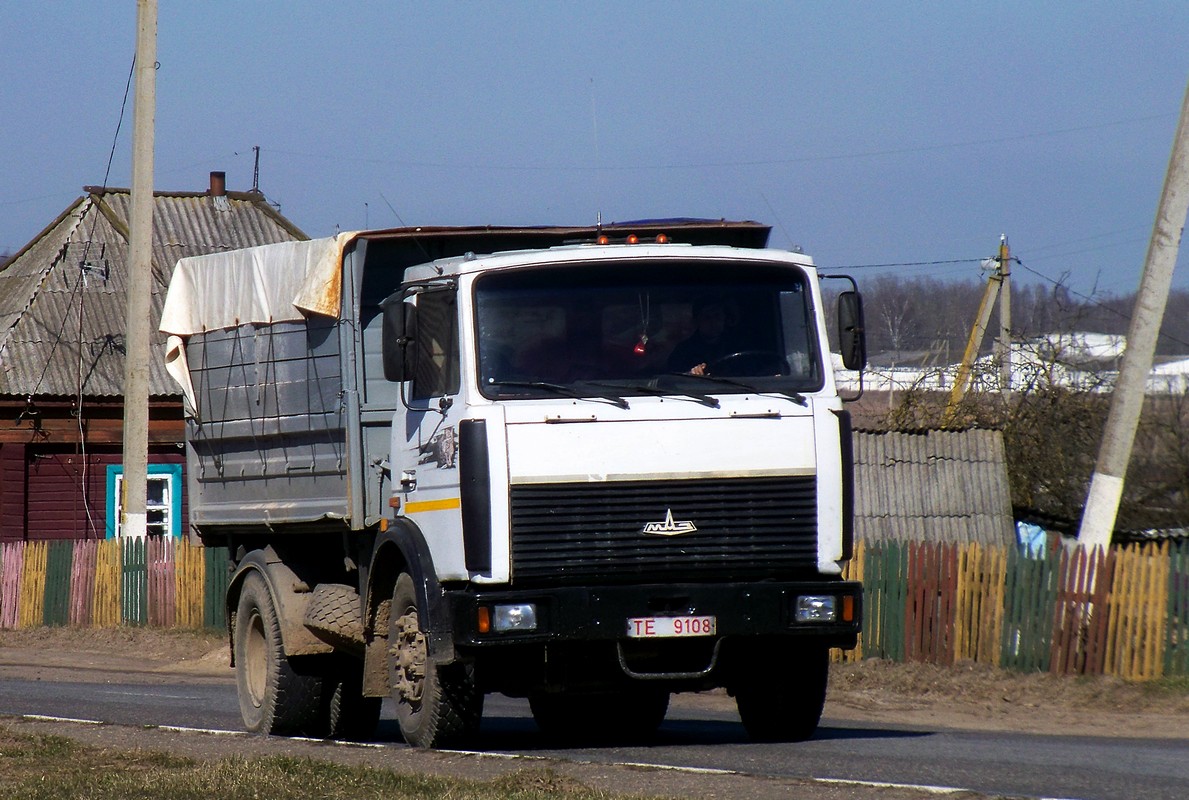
(746, 362)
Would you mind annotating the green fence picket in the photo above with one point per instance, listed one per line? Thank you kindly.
(1176, 640)
(885, 587)
(1030, 607)
(134, 583)
(59, 558)
(218, 576)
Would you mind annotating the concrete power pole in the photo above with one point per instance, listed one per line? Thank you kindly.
(1004, 316)
(1106, 486)
(140, 265)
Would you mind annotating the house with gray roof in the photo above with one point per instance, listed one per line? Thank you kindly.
(62, 326)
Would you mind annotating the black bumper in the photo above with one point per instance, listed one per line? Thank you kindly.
(593, 614)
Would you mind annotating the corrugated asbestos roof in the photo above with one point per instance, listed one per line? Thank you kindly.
(948, 486)
(72, 278)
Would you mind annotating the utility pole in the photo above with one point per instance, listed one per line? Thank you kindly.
(140, 265)
(995, 290)
(1127, 400)
(1005, 371)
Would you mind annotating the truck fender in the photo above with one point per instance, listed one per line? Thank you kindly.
(290, 597)
(402, 548)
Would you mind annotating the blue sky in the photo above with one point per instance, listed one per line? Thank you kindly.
(864, 133)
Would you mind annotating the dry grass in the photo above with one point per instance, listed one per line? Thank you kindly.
(56, 768)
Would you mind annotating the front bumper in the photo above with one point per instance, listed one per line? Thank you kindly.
(590, 614)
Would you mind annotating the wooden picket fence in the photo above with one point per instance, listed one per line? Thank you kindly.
(157, 582)
(1122, 611)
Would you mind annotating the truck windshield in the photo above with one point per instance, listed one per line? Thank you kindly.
(646, 328)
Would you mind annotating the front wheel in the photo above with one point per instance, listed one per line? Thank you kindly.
(783, 702)
(436, 705)
(273, 697)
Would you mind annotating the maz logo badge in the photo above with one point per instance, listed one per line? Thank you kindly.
(670, 526)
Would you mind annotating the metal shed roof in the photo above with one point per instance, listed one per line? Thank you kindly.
(948, 486)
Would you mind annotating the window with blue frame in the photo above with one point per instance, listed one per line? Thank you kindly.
(163, 500)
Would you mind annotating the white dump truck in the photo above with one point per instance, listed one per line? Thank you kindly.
(586, 466)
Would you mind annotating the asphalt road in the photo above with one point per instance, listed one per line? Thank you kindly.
(1085, 768)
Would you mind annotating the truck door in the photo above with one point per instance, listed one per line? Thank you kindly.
(428, 475)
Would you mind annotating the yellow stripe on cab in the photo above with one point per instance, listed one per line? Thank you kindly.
(433, 505)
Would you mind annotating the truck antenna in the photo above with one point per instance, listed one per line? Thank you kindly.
(594, 125)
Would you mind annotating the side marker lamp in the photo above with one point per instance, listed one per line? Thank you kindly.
(848, 608)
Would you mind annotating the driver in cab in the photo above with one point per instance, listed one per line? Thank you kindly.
(708, 343)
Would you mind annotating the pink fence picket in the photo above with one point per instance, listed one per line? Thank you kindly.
(82, 581)
(162, 584)
(12, 561)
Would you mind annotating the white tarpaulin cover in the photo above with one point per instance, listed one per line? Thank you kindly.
(270, 283)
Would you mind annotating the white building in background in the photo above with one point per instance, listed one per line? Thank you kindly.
(1087, 361)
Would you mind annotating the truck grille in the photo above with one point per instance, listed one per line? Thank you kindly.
(756, 528)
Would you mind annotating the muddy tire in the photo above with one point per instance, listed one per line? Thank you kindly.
(273, 697)
(620, 717)
(785, 704)
(333, 613)
(436, 705)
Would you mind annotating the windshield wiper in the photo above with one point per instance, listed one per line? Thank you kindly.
(644, 388)
(796, 397)
(562, 389)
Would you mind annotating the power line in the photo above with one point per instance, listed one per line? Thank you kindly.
(87, 247)
(639, 167)
(1092, 301)
(910, 263)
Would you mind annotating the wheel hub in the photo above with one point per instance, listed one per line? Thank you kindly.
(409, 659)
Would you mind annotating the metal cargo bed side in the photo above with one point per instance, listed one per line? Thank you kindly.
(269, 445)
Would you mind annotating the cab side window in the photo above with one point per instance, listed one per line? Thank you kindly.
(436, 359)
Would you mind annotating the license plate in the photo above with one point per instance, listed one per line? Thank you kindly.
(665, 627)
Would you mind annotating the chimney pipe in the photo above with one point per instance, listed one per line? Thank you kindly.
(218, 184)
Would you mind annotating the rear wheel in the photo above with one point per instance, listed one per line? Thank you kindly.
(436, 705)
(626, 715)
(273, 697)
(783, 700)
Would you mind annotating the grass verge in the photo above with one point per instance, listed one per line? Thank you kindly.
(40, 767)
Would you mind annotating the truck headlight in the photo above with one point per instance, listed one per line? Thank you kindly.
(515, 617)
(816, 608)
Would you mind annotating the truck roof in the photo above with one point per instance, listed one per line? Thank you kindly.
(430, 243)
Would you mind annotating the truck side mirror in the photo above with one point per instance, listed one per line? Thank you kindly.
(400, 320)
(852, 337)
